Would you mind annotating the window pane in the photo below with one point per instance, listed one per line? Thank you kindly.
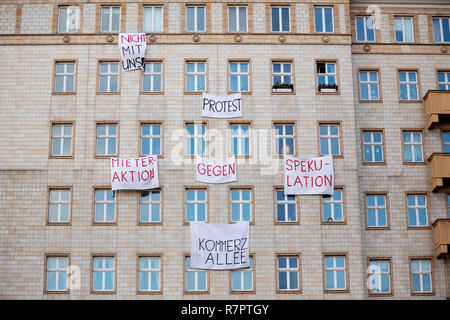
(285, 19)
(242, 19)
(200, 18)
(190, 16)
(318, 19)
(328, 20)
(275, 19)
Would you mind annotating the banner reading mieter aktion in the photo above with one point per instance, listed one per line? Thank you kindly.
(308, 176)
(134, 173)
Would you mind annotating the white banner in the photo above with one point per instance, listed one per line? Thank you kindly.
(134, 173)
(215, 171)
(221, 106)
(308, 176)
(132, 48)
(219, 246)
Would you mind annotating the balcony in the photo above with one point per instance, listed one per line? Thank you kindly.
(437, 106)
(441, 229)
(439, 170)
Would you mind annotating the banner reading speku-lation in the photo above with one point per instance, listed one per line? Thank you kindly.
(219, 246)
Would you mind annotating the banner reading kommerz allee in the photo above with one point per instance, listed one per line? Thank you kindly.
(221, 106)
(215, 171)
(308, 176)
(219, 246)
(132, 48)
(134, 173)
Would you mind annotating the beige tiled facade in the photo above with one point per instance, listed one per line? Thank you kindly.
(29, 48)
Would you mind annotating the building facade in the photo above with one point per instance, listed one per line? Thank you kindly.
(365, 81)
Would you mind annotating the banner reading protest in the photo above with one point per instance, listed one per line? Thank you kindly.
(308, 176)
(134, 173)
(219, 246)
(221, 106)
(132, 48)
(215, 171)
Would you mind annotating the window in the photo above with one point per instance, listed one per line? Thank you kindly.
(446, 141)
(108, 77)
(240, 139)
(152, 77)
(195, 205)
(239, 76)
(288, 273)
(64, 77)
(441, 29)
(333, 207)
(408, 84)
(323, 18)
(67, 19)
(284, 139)
(282, 75)
(56, 268)
(150, 274)
(59, 206)
(110, 19)
(237, 19)
(365, 29)
(379, 273)
(195, 76)
(195, 19)
(280, 19)
(412, 147)
(151, 139)
(150, 206)
(153, 19)
(196, 281)
(335, 273)
(421, 276)
(61, 143)
(369, 85)
(286, 206)
(404, 29)
(242, 279)
(417, 210)
(329, 139)
(376, 210)
(443, 80)
(104, 206)
(373, 146)
(103, 274)
(106, 142)
(241, 204)
(326, 77)
(195, 139)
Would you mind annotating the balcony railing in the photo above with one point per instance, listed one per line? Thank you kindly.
(441, 229)
(437, 106)
(439, 170)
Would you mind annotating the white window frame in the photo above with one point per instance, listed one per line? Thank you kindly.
(284, 136)
(376, 207)
(194, 138)
(59, 203)
(241, 273)
(369, 83)
(239, 74)
(327, 74)
(149, 272)
(375, 275)
(416, 207)
(441, 28)
(110, 19)
(238, 27)
(108, 76)
(411, 144)
(61, 138)
(103, 271)
(282, 74)
(288, 269)
(196, 273)
(65, 74)
(240, 202)
(152, 13)
(195, 202)
(446, 81)
(66, 28)
(365, 26)
(323, 19)
(105, 203)
(372, 145)
(402, 19)
(280, 19)
(421, 272)
(196, 19)
(332, 202)
(106, 136)
(240, 139)
(285, 202)
(150, 74)
(150, 204)
(196, 75)
(329, 136)
(57, 270)
(150, 137)
(335, 270)
(408, 83)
